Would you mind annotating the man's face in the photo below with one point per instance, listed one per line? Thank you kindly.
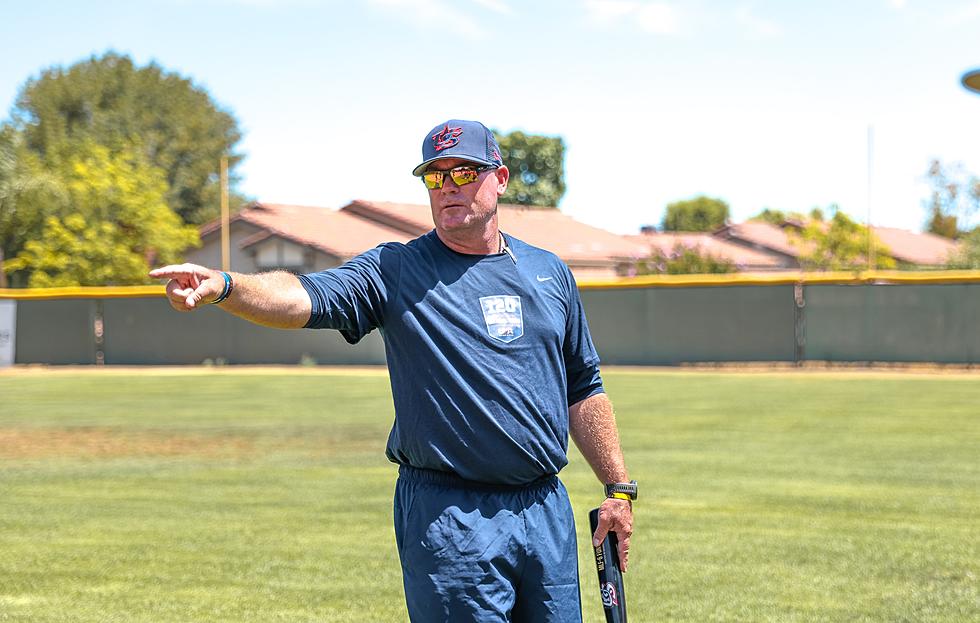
(458, 208)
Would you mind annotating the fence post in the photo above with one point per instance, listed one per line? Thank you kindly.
(8, 332)
(98, 332)
(799, 318)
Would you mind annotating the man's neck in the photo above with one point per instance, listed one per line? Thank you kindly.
(485, 242)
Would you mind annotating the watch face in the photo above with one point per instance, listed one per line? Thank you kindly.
(629, 488)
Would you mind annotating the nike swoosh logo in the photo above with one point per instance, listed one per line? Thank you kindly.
(540, 278)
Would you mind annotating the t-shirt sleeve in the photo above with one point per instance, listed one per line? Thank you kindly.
(581, 359)
(352, 297)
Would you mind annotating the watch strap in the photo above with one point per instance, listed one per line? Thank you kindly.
(628, 489)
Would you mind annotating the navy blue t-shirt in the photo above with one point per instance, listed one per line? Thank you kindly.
(485, 352)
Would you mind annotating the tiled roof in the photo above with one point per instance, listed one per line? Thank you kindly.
(705, 243)
(406, 217)
(362, 225)
(761, 235)
(923, 249)
(914, 248)
(548, 228)
(337, 233)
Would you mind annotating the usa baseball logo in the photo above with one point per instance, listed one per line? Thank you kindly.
(503, 315)
(609, 597)
(446, 137)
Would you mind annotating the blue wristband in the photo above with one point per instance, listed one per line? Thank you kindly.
(229, 285)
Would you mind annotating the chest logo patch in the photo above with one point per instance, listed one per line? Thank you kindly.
(505, 321)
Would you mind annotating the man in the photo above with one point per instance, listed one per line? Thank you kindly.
(491, 366)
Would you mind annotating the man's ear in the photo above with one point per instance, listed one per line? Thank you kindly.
(503, 176)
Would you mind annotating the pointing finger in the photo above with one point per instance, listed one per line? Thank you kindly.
(178, 271)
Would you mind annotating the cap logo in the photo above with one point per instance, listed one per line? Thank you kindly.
(446, 137)
(496, 156)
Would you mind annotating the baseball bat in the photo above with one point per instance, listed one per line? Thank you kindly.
(611, 589)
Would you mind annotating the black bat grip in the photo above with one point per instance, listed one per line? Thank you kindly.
(612, 592)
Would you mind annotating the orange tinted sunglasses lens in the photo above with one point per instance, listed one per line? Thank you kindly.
(461, 176)
(432, 179)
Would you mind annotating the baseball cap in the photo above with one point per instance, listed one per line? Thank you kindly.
(457, 138)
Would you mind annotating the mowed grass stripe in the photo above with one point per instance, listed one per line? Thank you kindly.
(237, 497)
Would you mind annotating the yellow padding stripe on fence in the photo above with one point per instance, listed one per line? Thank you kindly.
(82, 292)
(649, 281)
(773, 279)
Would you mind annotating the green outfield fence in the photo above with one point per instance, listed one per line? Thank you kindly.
(662, 320)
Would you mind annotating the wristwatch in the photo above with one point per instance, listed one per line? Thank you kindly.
(626, 490)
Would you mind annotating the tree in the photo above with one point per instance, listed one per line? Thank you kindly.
(840, 244)
(10, 185)
(28, 194)
(698, 214)
(174, 123)
(114, 225)
(683, 260)
(954, 196)
(536, 163)
(773, 217)
(780, 218)
(968, 254)
(941, 224)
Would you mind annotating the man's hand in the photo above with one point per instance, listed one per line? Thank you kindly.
(190, 285)
(616, 515)
(275, 299)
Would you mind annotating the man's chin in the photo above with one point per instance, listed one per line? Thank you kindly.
(459, 220)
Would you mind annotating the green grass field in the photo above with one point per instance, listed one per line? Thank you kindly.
(224, 495)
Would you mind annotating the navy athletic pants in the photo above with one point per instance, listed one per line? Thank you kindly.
(486, 553)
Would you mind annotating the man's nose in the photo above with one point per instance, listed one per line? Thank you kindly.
(448, 185)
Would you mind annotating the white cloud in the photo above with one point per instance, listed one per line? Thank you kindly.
(433, 14)
(497, 6)
(268, 4)
(609, 10)
(967, 12)
(757, 25)
(655, 17)
(898, 4)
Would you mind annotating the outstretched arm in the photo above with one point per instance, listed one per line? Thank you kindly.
(275, 299)
(592, 425)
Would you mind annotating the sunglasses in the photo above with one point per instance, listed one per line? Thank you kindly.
(462, 176)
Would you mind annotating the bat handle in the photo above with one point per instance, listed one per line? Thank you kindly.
(611, 588)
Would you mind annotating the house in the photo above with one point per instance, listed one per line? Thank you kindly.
(745, 258)
(265, 236)
(765, 238)
(916, 250)
(909, 249)
(590, 252)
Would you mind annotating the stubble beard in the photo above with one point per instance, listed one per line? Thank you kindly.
(471, 228)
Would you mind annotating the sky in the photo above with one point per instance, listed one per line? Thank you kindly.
(763, 104)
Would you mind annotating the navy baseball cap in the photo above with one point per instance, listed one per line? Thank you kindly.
(467, 140)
